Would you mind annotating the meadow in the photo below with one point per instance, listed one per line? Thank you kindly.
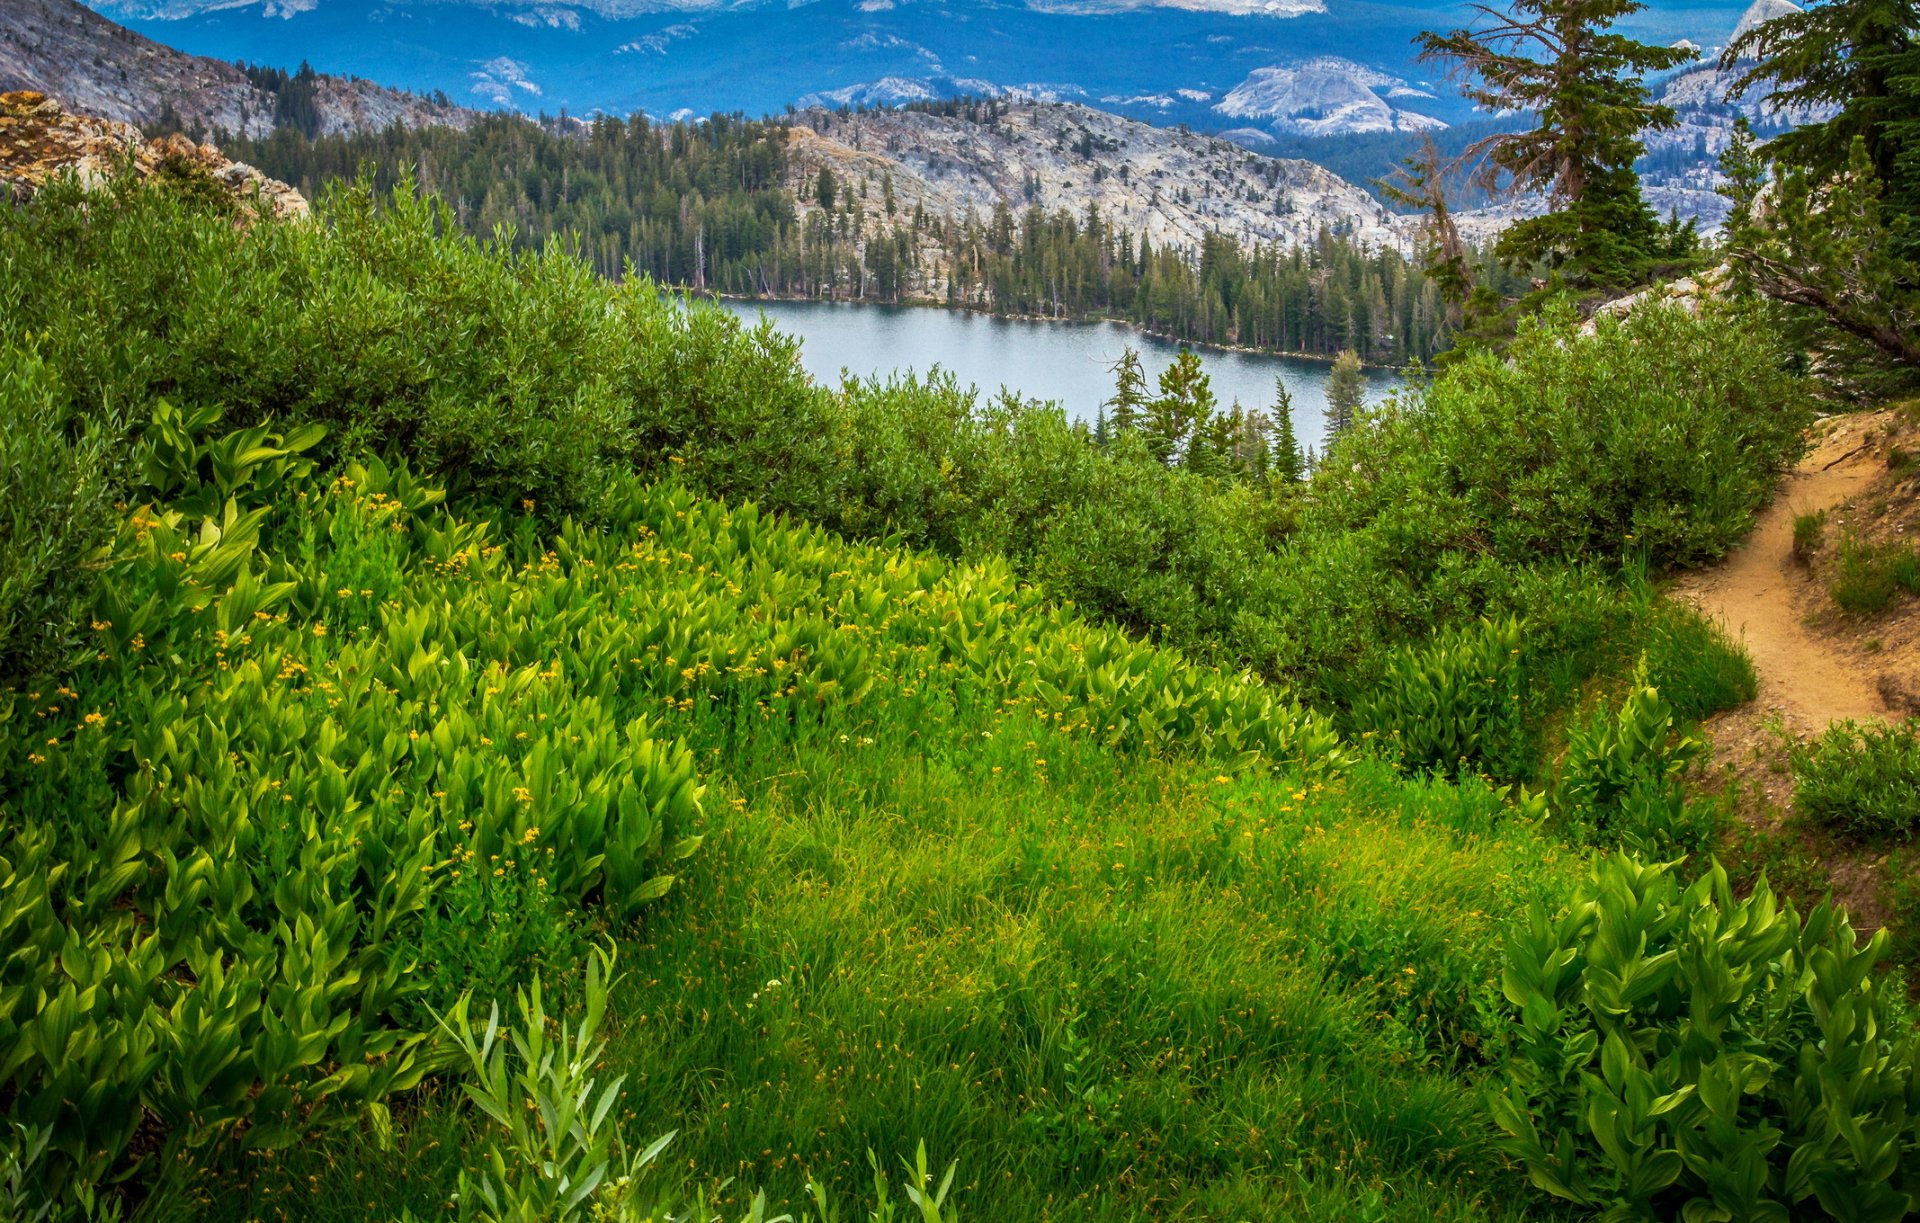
(885, 783)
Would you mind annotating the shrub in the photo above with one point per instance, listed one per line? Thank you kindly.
(1457, 705)
(1620, 780)
(1872, 575)
(1863, 781)
(1574, 447)
(1678, 1053)
(55, 490)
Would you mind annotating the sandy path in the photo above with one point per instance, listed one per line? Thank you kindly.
(1808, 681)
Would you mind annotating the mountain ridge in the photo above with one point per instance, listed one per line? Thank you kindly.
(94, 66)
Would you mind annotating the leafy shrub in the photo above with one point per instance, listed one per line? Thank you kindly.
(1682, 1054)
(1620, 779)
(56, 519)
(206, 936)
(1871, 576)
(1583, 447)
(509, 377)
(1696, 666)
(1457, 705)
(1863, 781)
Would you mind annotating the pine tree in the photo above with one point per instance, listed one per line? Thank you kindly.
(1129, 400)
(1346, 394)
(1559, 60)
(824, 190)
(1289, 464)
(1420, 181)
(1860, 59)
(1101, 434)
(1183, 407)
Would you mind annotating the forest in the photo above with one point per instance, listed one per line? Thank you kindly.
(706, 206)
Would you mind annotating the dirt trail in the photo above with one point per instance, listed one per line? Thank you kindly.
(1757, 594)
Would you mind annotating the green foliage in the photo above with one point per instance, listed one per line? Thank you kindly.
(1697, 667)
(1836, 256)
(1564, 61)
(56, 520)
(1679, 1053)
(1346, 393)
(1809, 533)
(1458, 704)
(554, 1154)
(1620, 779)
(1587, 448)
(1868, 577)
(1862, 781)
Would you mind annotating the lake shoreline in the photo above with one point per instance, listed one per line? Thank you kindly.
(1037, 360)
(1072, 320)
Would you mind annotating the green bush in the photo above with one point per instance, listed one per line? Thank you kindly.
(1862, 781)
(513, 377)
(1620, 779)
(1582, 447)
(1458, 705)
(57, 517)
(1678, 1053)
(1871, 576)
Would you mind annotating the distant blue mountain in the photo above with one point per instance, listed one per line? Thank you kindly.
(1336, 65)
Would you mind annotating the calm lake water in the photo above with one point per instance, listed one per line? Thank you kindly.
(1066, 363)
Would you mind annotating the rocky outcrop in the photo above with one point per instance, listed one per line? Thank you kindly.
(1690, 294)
(40, 140)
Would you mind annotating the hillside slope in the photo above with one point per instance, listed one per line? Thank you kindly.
(1171, 186)
(62, 48)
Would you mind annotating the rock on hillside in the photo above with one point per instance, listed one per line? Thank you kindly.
(1172, 186)
(39, 140)
(62, 48)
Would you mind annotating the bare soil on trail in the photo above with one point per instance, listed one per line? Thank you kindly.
(1761, 594)
(1816, 664)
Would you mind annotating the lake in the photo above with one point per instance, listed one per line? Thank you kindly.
(1067, 363)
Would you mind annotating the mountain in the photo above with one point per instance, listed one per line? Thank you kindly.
(1328, 96)
(65, 50)
(1681, 168)
(1172, 187)
(1332, 67)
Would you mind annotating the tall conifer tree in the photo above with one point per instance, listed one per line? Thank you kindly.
(1561, 61)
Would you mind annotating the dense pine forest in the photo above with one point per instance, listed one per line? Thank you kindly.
(704, 205)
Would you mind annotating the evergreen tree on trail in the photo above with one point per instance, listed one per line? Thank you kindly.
(1560, 60)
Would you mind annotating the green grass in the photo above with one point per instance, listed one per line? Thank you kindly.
(1696, 666)
(1809, 532)
(1871, 576)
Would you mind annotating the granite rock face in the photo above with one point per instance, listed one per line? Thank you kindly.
(1171, 186)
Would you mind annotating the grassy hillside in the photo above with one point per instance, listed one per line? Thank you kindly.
(393, 622)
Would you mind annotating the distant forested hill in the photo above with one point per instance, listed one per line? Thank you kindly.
(738, 206)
